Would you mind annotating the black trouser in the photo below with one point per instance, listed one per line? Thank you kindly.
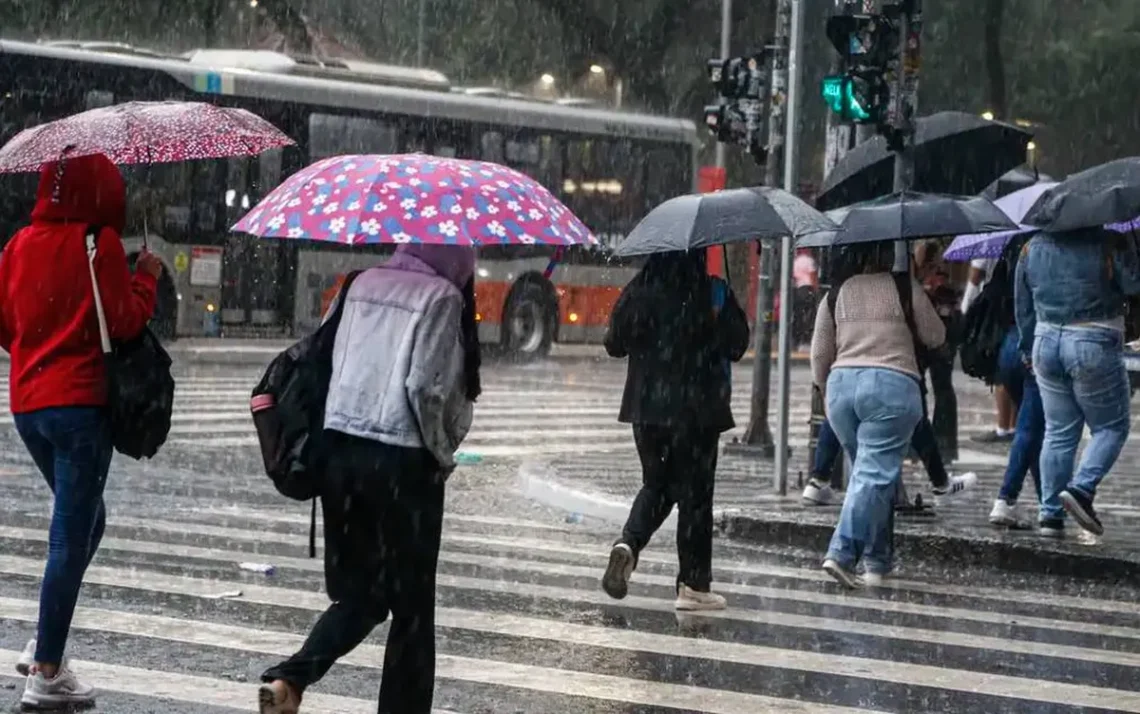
(678, 466)
(922, 442)
(383, 512)
(945, 421)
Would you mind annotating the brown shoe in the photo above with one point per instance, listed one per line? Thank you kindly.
(278, 697)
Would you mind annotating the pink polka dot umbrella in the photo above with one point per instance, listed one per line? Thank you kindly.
(414, 198)
(144, 133)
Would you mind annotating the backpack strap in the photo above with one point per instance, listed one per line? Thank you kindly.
(906, 299)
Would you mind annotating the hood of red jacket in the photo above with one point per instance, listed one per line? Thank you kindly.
(85, 189)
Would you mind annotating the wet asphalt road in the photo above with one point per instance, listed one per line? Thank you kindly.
(522, 623)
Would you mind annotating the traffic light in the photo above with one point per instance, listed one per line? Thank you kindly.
(869, 46)
(740, 117)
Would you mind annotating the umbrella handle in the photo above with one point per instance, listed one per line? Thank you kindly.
(554, 260)
(146, 246)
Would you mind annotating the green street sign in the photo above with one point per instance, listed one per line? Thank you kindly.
(839, 92)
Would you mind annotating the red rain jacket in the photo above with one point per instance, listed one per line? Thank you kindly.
(47, 307)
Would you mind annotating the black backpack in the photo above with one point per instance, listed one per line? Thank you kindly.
(140, 387)
(989, 317)
(288, 407)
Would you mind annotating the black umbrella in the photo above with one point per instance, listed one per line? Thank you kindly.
(1109, 193)
(910, 215)
(1013, 181)
(737, 215)
(955, 153)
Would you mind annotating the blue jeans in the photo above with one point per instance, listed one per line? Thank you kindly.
(1080, 371)
(922, 441)
(1010, 368)
(1025, 451)
(72, 448)
(874, 412)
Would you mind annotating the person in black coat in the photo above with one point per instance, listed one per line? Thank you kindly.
(680, 330)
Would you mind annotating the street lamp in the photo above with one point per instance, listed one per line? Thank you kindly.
(988, 116)
(597, 69)
(547, 80)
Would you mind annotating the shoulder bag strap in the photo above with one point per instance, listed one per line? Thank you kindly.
(104, 334)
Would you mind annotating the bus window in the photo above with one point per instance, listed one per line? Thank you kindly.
(603, 183)
(668, 174)
(97, 98)
(549, 171)
(491, 147)
(334, 134)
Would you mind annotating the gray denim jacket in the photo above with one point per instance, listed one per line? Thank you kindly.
(397, 372)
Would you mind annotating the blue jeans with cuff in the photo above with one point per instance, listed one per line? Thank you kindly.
(72, 448)
(874, 412)
(1025, 451)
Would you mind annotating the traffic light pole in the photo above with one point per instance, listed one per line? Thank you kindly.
(904, 106)
(757, 441)
(791, 159)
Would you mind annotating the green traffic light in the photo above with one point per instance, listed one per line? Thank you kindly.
(839, 93)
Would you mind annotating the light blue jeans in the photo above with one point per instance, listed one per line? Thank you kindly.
(1080, 372)
(874, 412)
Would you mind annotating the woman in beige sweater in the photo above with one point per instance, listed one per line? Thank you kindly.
(864, 361)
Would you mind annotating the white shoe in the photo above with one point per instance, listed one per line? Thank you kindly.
(689, 599)
(63, 690)
(957, 485)
(27, 658)
(817, 494)
(1003, 514)
(843, 576)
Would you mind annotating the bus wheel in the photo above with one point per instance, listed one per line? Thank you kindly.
(529, 323)
(165, 321)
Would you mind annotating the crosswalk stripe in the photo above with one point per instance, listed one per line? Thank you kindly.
(221, 555)
(195, 689)
(562, 681)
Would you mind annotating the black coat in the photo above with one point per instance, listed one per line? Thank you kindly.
(679, 348)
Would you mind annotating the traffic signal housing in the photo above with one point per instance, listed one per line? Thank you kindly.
(868, 45)
(741, 116)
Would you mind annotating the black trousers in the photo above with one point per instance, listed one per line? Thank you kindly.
(945, 421)
(383, 513)
(678, 466)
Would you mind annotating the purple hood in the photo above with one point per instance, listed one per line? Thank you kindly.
(452, 262)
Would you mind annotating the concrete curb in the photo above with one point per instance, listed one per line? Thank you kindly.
(1064, 559)
(538, 483)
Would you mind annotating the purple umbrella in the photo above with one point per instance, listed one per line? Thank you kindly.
(990, 245)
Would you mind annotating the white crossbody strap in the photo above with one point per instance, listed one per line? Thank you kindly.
(104, 335)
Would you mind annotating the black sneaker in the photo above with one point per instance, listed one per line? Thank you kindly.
(616, 580)
(993, 437)
(1080, 508)
(1051, 528)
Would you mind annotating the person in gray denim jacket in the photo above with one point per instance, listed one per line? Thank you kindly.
(1069, 298)
(404, 377)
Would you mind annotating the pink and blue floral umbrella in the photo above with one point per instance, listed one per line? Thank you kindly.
(414, 198)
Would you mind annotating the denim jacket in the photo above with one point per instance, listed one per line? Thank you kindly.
(1063, 278)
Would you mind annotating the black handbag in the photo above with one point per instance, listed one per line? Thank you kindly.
(140, 387)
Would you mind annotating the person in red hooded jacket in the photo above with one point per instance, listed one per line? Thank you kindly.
(57, 383)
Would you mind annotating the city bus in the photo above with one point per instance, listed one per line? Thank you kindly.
(610, 167)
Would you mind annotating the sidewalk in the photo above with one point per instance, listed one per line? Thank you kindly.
(257, 352)
(956, 534)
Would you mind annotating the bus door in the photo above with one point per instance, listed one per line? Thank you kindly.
(255, 271)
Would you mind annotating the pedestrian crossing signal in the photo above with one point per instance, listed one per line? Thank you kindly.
(842, 96)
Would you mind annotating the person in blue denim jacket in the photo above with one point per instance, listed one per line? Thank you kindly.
(1069, 298)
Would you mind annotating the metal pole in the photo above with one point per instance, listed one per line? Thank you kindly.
(758, 437)
(420, 33)
(725, 49)
(783, 385)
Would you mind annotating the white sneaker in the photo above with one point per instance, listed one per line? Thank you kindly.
(1003, 514)
(842, 575)
(689, 599)
(63, 690)
(817, 494)
(27, 658)
(957, 485)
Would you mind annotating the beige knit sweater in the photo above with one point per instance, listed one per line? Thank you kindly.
(869, 329)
